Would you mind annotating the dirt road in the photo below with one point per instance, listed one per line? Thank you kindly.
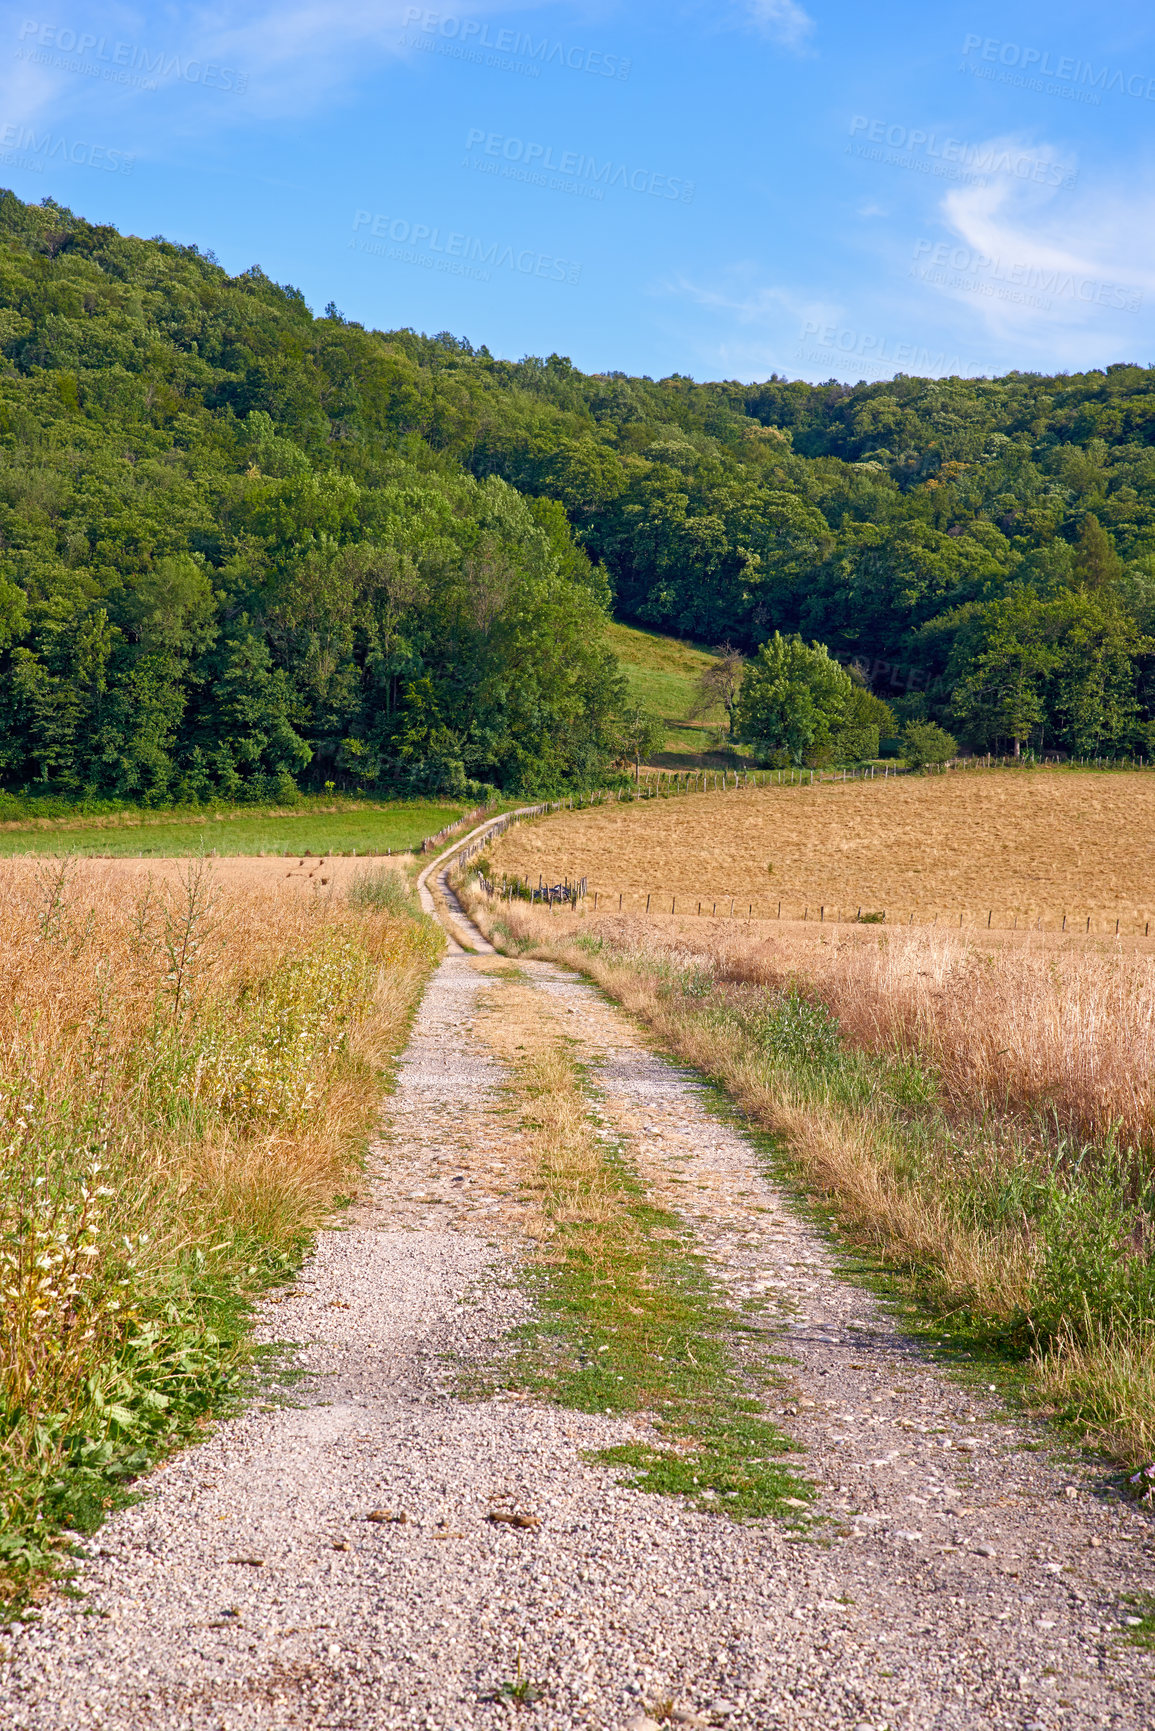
(329, 1558)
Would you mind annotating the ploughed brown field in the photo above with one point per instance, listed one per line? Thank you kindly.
(1015, 846)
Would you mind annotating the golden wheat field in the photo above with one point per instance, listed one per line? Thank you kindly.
(1014, 847)
(322, 873)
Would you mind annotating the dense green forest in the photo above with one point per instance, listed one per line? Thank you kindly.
(243, 549)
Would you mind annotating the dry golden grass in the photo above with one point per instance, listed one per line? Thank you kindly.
(566, 1168)
(1034, 1026)
(1020, 845)
(1111, 1381)
(188, 1073)
(330, 875)
(1030, 1027)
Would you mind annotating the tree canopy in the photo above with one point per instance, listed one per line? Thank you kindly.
(244, 549)
(797, 705)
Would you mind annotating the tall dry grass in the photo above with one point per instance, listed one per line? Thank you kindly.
(981, 1116)
(1067, 1033)
(187, 1076)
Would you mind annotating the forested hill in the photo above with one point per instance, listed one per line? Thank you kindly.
(242, 547)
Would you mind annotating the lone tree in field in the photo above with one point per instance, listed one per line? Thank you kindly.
(640, 732)
(797, 705)
(924, 743)
(719, 685)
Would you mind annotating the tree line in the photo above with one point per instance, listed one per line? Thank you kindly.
(245, 550)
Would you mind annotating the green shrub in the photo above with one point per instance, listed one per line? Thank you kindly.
(925, 743)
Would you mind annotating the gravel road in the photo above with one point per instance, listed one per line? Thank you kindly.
(327, 1558)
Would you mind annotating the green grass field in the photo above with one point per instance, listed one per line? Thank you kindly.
(663, 674)
(366, 829)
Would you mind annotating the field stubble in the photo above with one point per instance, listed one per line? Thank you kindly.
(1015, 845)
(981, 1115)
(188, 1072)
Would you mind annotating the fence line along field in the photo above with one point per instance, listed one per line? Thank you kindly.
(1027, 845)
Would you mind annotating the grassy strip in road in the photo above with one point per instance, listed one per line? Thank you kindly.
(629, 1319)
(1027, 1249)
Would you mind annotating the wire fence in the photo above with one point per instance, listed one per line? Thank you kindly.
(664, 784)
(433, 842)
(670, 783)
(727, 907)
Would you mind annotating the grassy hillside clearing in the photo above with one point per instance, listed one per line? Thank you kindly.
(662, 674)
(1014, 845)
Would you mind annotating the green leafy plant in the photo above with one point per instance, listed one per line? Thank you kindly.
(925, 744)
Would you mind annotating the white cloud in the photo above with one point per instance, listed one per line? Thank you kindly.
(1065, 276)
(283, 59)
(783, 20)
(304, 50)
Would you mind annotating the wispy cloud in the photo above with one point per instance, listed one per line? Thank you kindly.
(752, 326)
(783, 21)
(743, 297)
(1051, 272)
(1108, 236)
(285, 59)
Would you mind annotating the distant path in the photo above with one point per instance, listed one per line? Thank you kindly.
(464, 937)
(961, 1580)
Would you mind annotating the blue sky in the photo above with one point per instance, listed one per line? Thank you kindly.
(722, 188)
